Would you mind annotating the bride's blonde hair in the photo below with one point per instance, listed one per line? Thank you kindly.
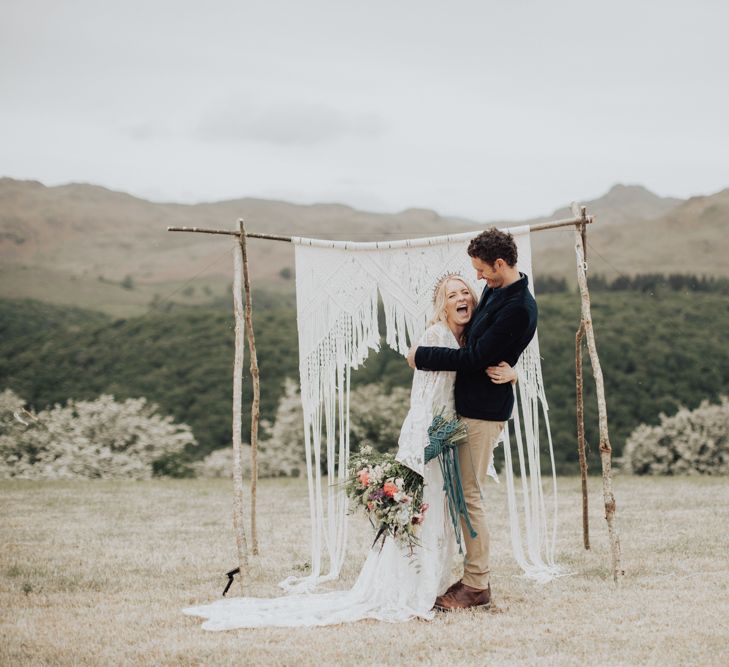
(440, 296)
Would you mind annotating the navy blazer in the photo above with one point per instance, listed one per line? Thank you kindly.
(502, 326)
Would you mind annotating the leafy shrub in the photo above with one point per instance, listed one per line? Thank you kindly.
(689, 442)
(101, 438)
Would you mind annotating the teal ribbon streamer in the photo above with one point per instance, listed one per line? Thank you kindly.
(443, 437)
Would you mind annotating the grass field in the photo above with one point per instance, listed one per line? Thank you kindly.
(96, 573)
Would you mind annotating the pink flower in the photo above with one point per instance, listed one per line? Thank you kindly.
(420, 516)
(364, 477)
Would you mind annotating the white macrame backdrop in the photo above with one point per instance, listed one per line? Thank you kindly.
(337, 288)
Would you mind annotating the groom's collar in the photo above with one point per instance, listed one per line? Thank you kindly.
(504, 292)
(516, 286)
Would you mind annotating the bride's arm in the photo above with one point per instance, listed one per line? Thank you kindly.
(502, 373)
(430, 389)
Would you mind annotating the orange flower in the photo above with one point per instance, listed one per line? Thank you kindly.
(364, 477)
(390, 489)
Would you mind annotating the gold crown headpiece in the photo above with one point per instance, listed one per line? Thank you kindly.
(442, 278)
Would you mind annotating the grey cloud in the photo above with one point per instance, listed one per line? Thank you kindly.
(287, 124)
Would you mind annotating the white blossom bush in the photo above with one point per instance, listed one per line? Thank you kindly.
(219, 463)
(691, 442)
(102, 438)
(376, 418)
(281, 450)
(280, 447)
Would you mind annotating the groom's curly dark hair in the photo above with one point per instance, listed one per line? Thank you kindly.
(493, 244)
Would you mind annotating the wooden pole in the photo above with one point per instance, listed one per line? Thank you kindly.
(605, 448)
(571, 222)
(579, 222)
(256, 404)
(580, 411)
(238, 519)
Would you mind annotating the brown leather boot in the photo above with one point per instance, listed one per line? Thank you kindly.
(464, 597)
(451, 589)
(454, 587)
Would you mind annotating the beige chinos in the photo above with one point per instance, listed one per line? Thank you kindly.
(473, 458)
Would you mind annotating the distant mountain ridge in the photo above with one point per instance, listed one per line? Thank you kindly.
(77, 243)
(627, 202)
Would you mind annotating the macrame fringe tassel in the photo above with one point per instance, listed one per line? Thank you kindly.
(538, 563)
(325, 383)
(337, 289)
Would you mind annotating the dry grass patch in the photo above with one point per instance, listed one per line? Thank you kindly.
(96, 573)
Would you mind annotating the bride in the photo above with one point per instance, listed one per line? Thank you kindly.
(393, 584)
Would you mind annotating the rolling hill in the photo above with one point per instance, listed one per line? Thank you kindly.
(84, 245)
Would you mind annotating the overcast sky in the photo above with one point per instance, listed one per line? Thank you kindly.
(487, 109)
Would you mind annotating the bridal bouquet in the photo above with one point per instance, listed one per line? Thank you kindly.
(390, 493)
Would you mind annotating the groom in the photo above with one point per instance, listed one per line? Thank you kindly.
(501, 327)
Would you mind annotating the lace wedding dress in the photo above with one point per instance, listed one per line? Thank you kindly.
(393, 585)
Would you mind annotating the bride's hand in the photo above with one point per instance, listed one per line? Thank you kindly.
(501, 374)
(411, 357)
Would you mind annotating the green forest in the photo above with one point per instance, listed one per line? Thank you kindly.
(659, 350)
